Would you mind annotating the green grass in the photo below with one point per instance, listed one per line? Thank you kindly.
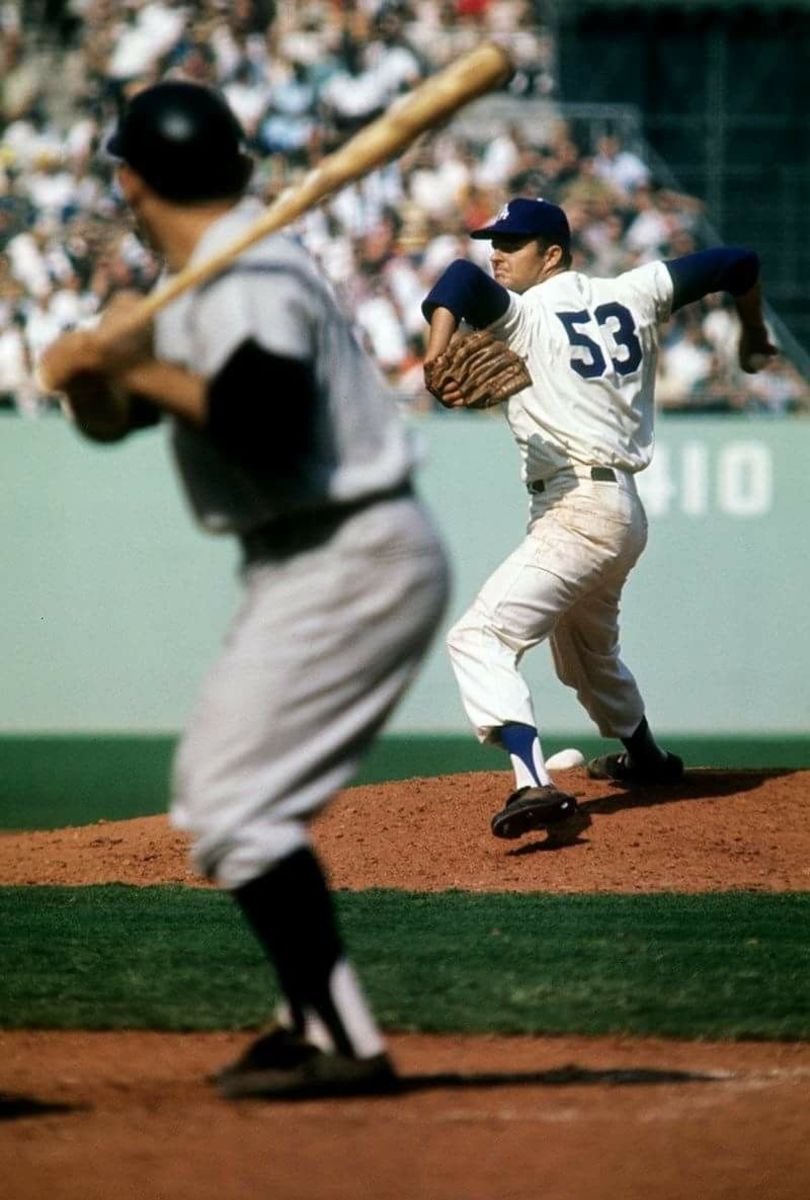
(48, 781)
(729, 965)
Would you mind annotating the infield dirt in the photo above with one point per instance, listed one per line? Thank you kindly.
(482, 1118)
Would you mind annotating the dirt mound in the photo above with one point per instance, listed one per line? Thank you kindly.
(719, 830)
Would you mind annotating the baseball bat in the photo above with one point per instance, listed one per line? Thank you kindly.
(437, 98)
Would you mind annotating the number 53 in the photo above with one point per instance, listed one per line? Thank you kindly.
(620, 327)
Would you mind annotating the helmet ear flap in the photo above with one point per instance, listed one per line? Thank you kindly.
(231, 181)
(246, 164)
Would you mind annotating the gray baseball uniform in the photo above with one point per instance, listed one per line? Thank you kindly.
(344, 574)
(284, 436)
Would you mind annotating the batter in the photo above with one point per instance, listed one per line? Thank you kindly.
(286, 439)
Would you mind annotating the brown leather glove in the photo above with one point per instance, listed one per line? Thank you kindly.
(475, 371)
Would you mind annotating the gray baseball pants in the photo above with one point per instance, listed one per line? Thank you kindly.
(325, 643)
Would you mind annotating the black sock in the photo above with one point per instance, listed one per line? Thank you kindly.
(290, 910)
(642, 747)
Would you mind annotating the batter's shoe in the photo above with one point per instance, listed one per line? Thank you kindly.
(532, 808)
(619, 768)
(280, 1065)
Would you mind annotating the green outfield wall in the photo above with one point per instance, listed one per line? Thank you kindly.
(112, 602)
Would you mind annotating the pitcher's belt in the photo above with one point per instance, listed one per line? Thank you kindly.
(598, 474)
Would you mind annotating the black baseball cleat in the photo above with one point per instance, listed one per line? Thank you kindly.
(533, 808)
(280, 1065)
(618, 768)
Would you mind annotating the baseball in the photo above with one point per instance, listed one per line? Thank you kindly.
(563, 760)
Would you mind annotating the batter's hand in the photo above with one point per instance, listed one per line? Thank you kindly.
(134, 347)
(101, 409)
(73, 354)
(97, 351)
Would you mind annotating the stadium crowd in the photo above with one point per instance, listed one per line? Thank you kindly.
(303, 77)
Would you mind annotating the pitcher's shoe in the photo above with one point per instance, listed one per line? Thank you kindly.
(280, 1065)
(531, 808)
(619, 769)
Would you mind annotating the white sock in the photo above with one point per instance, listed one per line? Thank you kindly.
(352, 1008)
(314, 1031)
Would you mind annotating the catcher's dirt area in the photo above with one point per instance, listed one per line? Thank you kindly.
(129, 1115)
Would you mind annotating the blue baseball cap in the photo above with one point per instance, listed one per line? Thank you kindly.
(529, 218)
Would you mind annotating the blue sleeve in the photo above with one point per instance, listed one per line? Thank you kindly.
(723, 269)
(469, 293)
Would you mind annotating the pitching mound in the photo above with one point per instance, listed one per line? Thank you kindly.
(718, 830)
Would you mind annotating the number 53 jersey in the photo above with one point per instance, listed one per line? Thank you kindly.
(591, 348)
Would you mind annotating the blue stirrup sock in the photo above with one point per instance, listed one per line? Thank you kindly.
(523, 746)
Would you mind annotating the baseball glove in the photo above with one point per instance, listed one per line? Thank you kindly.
(475, 371)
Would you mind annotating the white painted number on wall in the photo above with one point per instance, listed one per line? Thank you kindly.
(696, 479)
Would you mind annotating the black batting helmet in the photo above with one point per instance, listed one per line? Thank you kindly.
(184, 141)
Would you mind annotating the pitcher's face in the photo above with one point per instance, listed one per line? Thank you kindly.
(520, 262)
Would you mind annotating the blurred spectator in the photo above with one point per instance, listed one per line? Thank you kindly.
(354, 95)
(603, 240)
(377, 317)
(410, 382)
(248, 94)
(302, 77)
(27, 260)
(652, 227)
(623, 170)
(144, 33)
(778, 390)
(439, 177)
(390, 57)
(500, 158)
(42, 324)
(661, 219)
(20, 77)
(687, 368)
(287, 123)
(15, 363)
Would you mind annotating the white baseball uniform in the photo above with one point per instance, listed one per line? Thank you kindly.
(591, 348)
(345, 577)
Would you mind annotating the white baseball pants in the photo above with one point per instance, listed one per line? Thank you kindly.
(324, 645)
(563, 583)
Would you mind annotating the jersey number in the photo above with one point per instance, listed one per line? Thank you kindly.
(621, 329)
